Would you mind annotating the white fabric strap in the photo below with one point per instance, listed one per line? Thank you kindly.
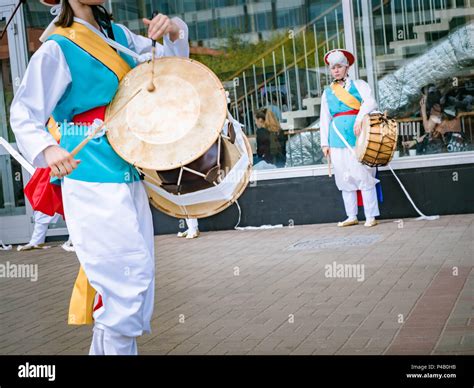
(113, 43)
(56, 10)
(20, 159)
(224, 190)
(344, 140)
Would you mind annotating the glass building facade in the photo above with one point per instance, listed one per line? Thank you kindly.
(418, 56)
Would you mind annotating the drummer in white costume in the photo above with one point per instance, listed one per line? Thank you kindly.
(193, 229)
(105, 202)
(344, 104)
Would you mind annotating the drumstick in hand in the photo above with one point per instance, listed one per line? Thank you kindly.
(151, 85)
(81, 145)
(329, 165)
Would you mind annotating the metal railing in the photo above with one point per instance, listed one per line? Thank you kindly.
(290, 71)
(293, 70)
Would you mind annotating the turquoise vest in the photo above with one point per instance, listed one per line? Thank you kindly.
(93, 85)
(345, 124)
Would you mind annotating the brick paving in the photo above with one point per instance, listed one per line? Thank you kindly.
(267, 292)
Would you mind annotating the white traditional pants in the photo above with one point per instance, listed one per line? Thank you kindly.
(369, 197)
(112, 229)
(350, 176)
(42, 222)
(107, 342)
(192, 224)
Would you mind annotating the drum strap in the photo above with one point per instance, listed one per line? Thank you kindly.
(87, 40)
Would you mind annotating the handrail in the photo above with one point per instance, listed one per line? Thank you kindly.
(300, 58)
(279, 44)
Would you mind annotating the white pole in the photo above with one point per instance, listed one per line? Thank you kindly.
(350, 35)
(369, 49)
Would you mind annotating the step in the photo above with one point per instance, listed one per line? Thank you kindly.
(443, 25)
(399, 45)
(453, 12)
(294, 119)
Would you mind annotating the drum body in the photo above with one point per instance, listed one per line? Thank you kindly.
(377, 141)
(180, 136)
(202, 205)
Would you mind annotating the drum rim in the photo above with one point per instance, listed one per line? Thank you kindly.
(183, 162)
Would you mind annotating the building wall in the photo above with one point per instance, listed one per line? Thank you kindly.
(311, 200)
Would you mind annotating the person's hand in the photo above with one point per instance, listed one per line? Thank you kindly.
(60, 161)
(326, 151)
(357, 127)
(161, 25)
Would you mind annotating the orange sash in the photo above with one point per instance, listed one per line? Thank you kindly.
(343, 95)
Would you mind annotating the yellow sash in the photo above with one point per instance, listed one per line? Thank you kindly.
(83, 294)
(343, 95)
(97, 47)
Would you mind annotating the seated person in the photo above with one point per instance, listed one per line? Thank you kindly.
(271, 140)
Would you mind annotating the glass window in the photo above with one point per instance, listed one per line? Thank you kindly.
(423, 65)
(423, 58)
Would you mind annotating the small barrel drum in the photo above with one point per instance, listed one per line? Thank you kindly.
(377, 141)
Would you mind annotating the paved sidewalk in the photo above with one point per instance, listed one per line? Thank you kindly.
(411, 291)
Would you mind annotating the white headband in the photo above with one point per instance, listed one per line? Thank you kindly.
(337, 58)
(55, 11)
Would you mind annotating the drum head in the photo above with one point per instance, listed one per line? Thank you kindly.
(205, 209)
(157, 130)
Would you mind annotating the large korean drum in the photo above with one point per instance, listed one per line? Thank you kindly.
(194, 156)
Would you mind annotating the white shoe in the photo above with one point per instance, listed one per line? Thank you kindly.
(182, 234)
(349, 222)
(370, 222)
(68, 246)
(4, 247)
(193, 233)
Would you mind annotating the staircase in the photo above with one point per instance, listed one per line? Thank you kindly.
(421, 42)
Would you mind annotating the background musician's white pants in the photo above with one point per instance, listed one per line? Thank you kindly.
(42, 222)
(369, 197)
(107, 342)
(192, 224)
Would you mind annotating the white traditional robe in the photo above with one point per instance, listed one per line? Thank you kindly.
(110, 223)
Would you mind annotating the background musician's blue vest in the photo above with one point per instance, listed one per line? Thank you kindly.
(345, 123)
(93, 85)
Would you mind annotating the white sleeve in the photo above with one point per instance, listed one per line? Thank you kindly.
(44, 83)
(179, 48)
(368, 101)
(324, 121)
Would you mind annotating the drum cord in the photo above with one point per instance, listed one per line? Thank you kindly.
(240, 215)
(422, 216)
